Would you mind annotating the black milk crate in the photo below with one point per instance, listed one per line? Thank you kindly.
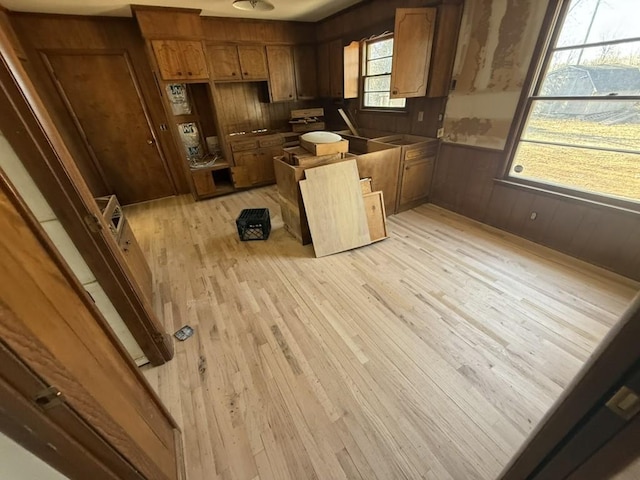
(254, 224)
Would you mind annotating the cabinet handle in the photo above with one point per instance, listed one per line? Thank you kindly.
(189, 73)
(290, 96)
(407, 168)
(180, 73)
(395, 92)
(233, 74)
(245, 73)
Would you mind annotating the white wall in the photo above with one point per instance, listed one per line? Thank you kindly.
(24, 184)
(16, 463)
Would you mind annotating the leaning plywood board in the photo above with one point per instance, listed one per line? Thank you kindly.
(335, 208)
(376, 218)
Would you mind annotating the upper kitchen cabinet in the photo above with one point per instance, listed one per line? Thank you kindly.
(444, 49)
(175, 36)
(253, 62)
(331, 69)
(238, 62)
(304, 63)
(324, 77)
(336, 68)
(180, 59)
(282, 85)
(413, 41)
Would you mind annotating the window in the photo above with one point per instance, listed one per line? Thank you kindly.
(582, 120)
(377, 62)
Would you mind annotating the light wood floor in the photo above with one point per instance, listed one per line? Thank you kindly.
(429, 355)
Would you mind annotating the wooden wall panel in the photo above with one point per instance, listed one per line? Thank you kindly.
(464, 182)
(244, 107)
(40, 32)
(241, 30)
(362, 21)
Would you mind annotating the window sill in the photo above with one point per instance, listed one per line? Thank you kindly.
(550, 191)
(382, 110)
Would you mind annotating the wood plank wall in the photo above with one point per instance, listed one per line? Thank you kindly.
(41, 32)
(464, 182)
(243, 30)
(245, 107)
(365, 19)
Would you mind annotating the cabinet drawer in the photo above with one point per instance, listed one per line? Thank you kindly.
(420, 152)
(271, 141)
(241, 145)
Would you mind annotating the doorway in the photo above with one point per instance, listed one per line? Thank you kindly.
(103, 97)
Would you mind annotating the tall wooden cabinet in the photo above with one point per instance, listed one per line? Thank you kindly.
(330, 69)
(304, 62)
(282, 81)
(412, 43)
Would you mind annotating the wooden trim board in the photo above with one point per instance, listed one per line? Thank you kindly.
(335, 208)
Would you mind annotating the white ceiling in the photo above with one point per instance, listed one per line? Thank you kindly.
(302, 10)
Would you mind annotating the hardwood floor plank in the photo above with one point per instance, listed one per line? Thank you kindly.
(430, 355)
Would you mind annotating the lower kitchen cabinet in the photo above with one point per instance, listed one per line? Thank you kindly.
(415, 183)
(253, 159)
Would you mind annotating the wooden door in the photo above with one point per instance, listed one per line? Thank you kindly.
(416, 180)
(102, 95)
(305, 66)
(169, 57)
(194, 61)
(336, 68)
(268, 174)
(324, 76)
(224, 62)
(282, 87)
(253, 62)
(444, 49)
(412, 42)
(49, 322)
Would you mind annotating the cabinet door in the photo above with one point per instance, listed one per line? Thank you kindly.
(336, 68)
(253, 62)
(282, 86)
(416, 180)
(247, 171)
(268, 171)
(194, 61)
(169, 57)
(444, 49)
(136, 261)
(203, 183)
(305, 66)
(412, 42)
(225, 64)
(324, 77)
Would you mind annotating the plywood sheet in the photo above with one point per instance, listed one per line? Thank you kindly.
(376, 217)
(335, 208)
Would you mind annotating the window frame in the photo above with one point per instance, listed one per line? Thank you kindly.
(364, 76)
(555, 15)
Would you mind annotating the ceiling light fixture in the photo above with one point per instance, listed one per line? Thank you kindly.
(261, 5)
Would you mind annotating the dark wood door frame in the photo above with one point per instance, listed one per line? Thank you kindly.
(599, 379)
(29, 129)
(136, 84)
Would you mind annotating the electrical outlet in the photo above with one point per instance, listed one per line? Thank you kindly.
(420, 116)
(440, 133)
(533, 215)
